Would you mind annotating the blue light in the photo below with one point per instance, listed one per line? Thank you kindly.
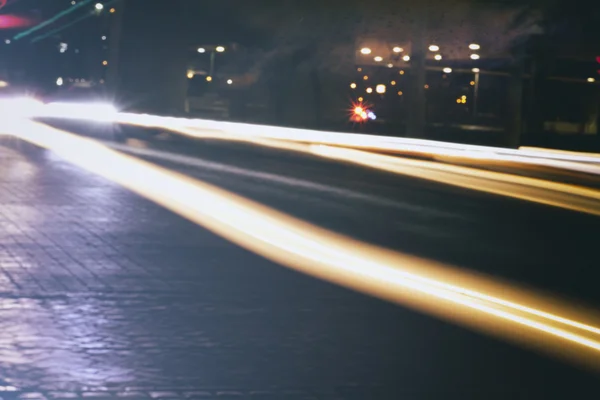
(371, 115)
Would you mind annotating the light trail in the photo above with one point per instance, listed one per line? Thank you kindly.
(446, 292)
(545, 192)
(222, 130)
(540, 191)
(542, 150)
(366, 142)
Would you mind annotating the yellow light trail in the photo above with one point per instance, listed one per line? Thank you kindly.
(443, 291)
(536, 190)
(366, 142)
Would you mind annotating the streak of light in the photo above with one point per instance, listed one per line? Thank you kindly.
(563, 152)
(449, 293)
(367, 142)
(55, 18)
(540, 191)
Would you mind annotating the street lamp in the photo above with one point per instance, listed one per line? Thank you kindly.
(201, 50)
(438, 57)
(229, 81)
(380, 89)
(99, 6)
(447, 70)
(378, 59)
(591, 80)
(475, 70)
(474, 46)
(220, 49)
(397, 49)
(406, 58)
(365, 50)
(434, 47)
(475, 57)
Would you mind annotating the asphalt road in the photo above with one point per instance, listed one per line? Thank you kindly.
(279, 329)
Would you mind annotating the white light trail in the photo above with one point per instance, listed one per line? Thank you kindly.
(437, 289)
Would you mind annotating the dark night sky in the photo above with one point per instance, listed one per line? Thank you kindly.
(267, 23)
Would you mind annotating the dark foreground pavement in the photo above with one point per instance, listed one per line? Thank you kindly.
(104, 294)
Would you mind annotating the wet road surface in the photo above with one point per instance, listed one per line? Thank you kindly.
(106, 294)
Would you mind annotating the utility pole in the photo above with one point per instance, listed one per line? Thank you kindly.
(415, 126)
(114, 47)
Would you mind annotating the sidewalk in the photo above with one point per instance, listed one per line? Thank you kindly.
(105, 294)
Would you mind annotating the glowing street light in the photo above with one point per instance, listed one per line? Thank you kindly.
(378, 59)
(220, 49)
(201, 50)
(103, 38)
(474, 46)
(229, 81)
(353, 85)
(380, 89)
(438, 57)
(591, 80)
(475, 57)
(447, 70)
(99, 6)
(365, 50)
(369, 90)
(390, 65)
(475, 70)
(406, 58)
(397, 49)
(105, 63)
(190, 74)
(209, 78)
(59, 81)
(7, 41)
(434, 47)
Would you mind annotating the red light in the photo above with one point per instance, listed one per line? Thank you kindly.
(13, 21)
(359, 112)
(598, 59)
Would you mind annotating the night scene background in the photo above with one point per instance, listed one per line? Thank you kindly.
(299, 199)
